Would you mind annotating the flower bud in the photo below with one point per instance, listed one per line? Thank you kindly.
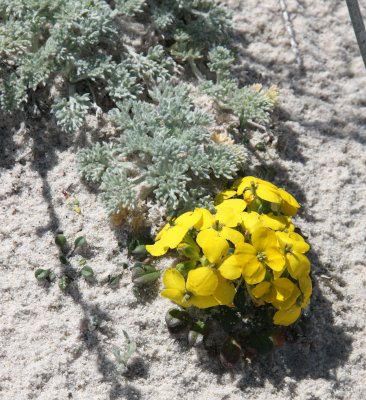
(185, 267)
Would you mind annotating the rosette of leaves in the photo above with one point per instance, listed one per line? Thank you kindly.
(164, 153)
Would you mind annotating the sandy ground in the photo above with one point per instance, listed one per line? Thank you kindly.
(48, 347)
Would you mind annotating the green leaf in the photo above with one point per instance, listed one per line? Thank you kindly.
(87, 272)
(260, 146)
(42, 274)
(139, 250)
(260, 342)
(185, 267)
(177, 320)
(197, 333)
(229, 319)
(79, 242)
(144, 275)
(60, 240)
(113, 280)
(63, 283)
(63, 259)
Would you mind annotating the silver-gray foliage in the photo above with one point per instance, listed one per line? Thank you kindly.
(246, 103)
(165, 152)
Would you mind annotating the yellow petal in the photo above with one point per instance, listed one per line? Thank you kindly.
(204, 301)
(263, 238)
(261, 289)
(289, 302)
(225, 292)
(207, 220)
(294, 240)
(246, 183)
(173, 279)
(267, 193)
(306, 288)
(237, 205)
(231, 267)
(157, 249)
(213, 247)
(277, 223)
(287, 317)
(228, 217)
(288, 198)
(274, 258)
(174, 236)
(254, 272)
(226, 194)
(246, 249)
(299, 243)
(232, 235)
(288, 210)
(251, 221)
(176, 296)
(297, 264)
(202, 281)
(164, 229)
(283, 288)
(189, 219)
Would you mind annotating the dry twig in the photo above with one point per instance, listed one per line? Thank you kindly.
(291, 32)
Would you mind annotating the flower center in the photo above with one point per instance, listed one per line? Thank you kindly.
(218, 226)
(187, 296)
(261, 256)
(288, 248)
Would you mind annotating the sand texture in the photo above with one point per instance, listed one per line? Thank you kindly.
(49, 345)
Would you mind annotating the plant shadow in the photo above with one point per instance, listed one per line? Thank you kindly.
(316, 350)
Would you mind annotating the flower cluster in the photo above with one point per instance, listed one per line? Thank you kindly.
(249, 240)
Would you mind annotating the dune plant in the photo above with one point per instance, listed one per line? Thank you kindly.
(244, 264)
(165, 153)
(71, 45)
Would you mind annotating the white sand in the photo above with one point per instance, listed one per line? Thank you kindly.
(47, 348)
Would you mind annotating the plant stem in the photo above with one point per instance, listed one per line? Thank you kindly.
(358, 26)
(197, 73)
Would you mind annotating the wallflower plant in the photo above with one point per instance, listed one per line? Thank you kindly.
(244, 260)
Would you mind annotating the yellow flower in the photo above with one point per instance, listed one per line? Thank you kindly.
(214, 240)
(171, 236)
(277, 290)
(281, 292)
(294, 246)
(251, 260)
(229, 212)
(288, 315)
(260, 188)
(204, 288)
(251, 221)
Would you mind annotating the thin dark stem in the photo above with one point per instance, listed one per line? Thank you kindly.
(358, 26)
